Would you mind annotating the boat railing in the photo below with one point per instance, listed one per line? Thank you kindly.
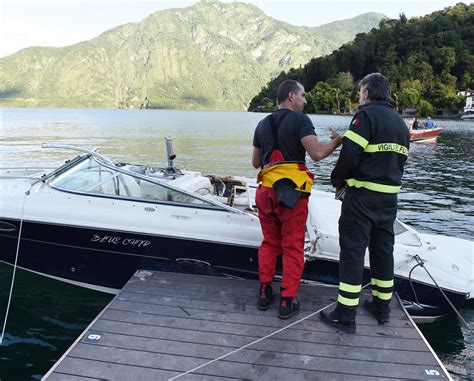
(33, 173)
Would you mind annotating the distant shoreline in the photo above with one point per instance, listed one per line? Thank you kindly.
(2, 107)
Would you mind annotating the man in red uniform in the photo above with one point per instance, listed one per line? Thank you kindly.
(280, 143)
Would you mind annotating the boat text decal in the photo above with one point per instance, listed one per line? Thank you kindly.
(115, 240)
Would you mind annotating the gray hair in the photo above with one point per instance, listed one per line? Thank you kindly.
(377, 86)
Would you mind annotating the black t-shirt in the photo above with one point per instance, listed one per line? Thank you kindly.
(291, 130)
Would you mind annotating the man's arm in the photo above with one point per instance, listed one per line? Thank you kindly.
(257, 159)
(346, 164)
(354, 142)
(318, 151)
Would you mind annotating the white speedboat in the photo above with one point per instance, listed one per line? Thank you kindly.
(93, 223)
(468, 114)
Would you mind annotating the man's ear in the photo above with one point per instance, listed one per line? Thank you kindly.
(366, 94)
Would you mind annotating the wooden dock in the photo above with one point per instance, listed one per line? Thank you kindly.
(167, 326)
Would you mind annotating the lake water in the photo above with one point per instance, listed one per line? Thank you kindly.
(45, 318)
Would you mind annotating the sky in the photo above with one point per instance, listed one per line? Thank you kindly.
(25, 23)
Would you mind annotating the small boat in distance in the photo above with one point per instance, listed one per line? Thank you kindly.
(428, 135)
(468, 114)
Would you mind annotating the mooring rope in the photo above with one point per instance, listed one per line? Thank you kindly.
(254, 342)
(421, 263)
(14, 266)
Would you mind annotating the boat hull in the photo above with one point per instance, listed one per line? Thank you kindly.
(105, 259)
(425, 136)
(468, 115)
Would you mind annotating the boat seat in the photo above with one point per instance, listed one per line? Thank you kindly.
(195, 184)
(129, 187)
(151, 191)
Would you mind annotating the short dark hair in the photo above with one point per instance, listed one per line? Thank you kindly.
(285, 88)
(377, 86)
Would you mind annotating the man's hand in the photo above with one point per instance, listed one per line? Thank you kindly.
(336, 136)
(318, 151)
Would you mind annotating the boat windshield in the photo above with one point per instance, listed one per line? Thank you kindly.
(91, 177)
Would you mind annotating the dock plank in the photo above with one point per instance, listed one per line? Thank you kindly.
(249, 328)
(191, 336)
(163, 325)
(178, 363)
(70, 377)
(246, 318)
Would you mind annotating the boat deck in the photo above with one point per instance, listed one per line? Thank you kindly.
(167, 326)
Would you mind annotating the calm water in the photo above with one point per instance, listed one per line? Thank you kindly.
(45, 318)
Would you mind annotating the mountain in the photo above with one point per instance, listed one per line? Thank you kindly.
(340, 32)
(427, 60)
(211, 55)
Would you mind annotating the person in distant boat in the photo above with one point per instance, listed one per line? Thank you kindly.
(280, 143)
(415, 125)
(369, 170)
(429, 123)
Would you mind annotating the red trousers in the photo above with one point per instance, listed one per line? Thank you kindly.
(283, 233)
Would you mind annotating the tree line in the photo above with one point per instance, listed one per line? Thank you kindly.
(427, 60)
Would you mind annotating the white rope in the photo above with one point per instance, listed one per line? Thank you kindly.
(14, 267)
(421, 262)
(254, 342)
(249, 344)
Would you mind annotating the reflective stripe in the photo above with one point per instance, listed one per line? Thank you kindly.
(386, 147)
(373, 186)
(384, 295)
(356, 138)
(348, 302)
(375, 292)
(349, 287)
(373, 281)
(384, 283)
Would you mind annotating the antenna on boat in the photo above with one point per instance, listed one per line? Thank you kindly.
(171, 169)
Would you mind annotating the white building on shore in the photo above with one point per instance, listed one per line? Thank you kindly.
(468, 112)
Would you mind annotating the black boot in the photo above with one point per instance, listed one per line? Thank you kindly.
(335, 319)
(379, 312)
(266, 298)
(288, 307)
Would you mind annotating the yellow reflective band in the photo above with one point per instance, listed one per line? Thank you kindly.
(349, 287)
(374, 292)
(384, 296)
(373, 186)
(384, 283)
(386, 147)
(373, 281)
(356, 138)
(348, 302)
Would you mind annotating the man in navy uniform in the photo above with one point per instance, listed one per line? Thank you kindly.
(368, 172)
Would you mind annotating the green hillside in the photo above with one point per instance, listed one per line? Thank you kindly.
(427, 59)
(343, 31)
(208, 56)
